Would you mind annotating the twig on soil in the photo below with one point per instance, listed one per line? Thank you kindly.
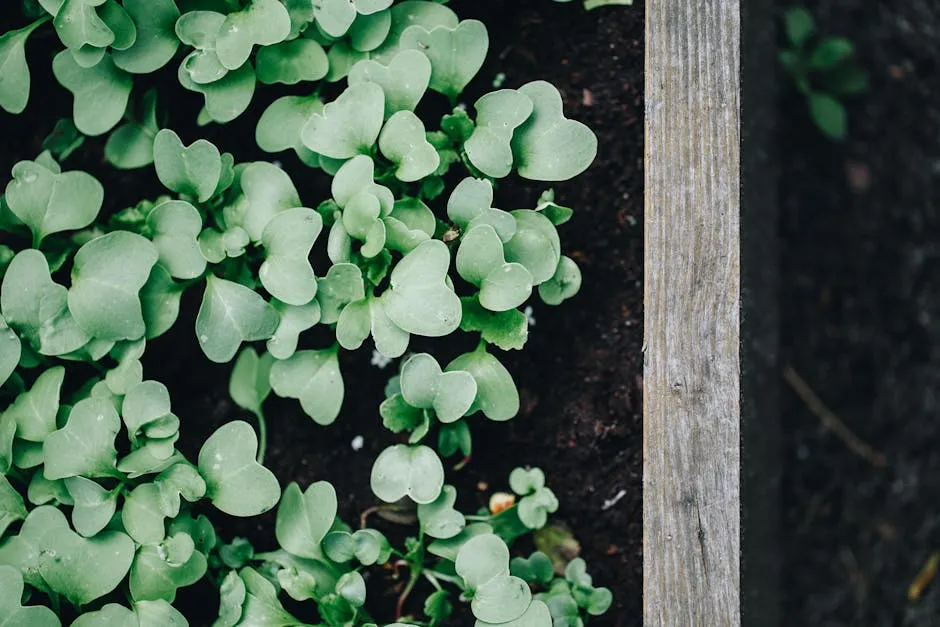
(924, 577)
(831, 421)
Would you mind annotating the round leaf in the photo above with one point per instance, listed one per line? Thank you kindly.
(413, 471)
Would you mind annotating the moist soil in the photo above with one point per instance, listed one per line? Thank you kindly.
(860, 225)
(579, 375)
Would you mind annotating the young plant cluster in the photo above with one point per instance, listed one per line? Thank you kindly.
(824, 70)
(102, 519)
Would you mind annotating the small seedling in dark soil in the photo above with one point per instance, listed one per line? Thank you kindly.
(102, 518)
(824, 69)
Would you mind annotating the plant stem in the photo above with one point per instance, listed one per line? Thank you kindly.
(262, 435)
(590, 5)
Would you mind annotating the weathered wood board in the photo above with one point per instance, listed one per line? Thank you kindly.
(691, 509)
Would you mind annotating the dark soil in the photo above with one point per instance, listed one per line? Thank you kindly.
(580, 373)
(860, 227)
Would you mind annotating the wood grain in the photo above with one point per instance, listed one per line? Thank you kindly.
(691, 496)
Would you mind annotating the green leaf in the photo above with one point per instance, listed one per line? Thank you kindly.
(261, 605)
(404, 80)
(262, 22)
(419, 300)
(829, 115)
(85, 445)
(499, 113)
(291, 62)
(248, 385)
(294, 321)
(158, 570)
(349, 125)
(10, 350)
(456, 54)
(334, 16)
(342, 285)
(498, 597)
(314, 378)
(507, 330)
(174, 227)
(304, 518)
(34, 411)
(398, 416)
(564, 284)
(50, 202)
(83, 569)
(439, 519)
(231, 597)
(413, 471)
(342, 57)
(286, 272)
(281, 123)
(830, 52)
(104, 297)
(229, 315)
(470, 204)
(428, 15)
(225, 98)
(14, 71)
(799, 25)
(352, 587)
(503, 286)
(403, 142)
(424, 385)
(537, 568)
(160, 302)
(847, 80)
(548, 146)
(535, 508)
(536, 615)
(355, 177)
(497, 396)
(454, 437)
(236, 483)
(438, 608)
(94, 506)
(535, 245)
(130, 146)
(101, 92)
(156, 41)
(26, 279)
(78, 25)
(120, 23)
(193, 169)
(12, 507)
(369, 31)
(14, 614)
(268, 191)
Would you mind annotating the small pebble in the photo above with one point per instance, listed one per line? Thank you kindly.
(357, 443)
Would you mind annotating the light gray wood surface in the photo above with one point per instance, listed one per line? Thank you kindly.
(691, 497)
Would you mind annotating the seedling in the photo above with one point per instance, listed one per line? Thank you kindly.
(824, 69)
(101, 516)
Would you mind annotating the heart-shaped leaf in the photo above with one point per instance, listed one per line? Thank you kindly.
(536, 615)
(175, 225)
(456, 54)
(497, 396)
(281, 123)
(10, 350)
(412, 471)
(11, 595)
(503, 286)
(290, 62)
(158, 570)
(356, 177)
(34, 411)
(498, 597)
(312, 377)
(193, 169)
(262, 606)
(229, 315)
(286, 271)
(535, 245)
(369, 31)
(26, 279)
(51, 202)
(104, 297)
(525, 481)
(94, 506)
(535, 508)
(100, 92)
(439, 519)
(78, 25)
(425, 386)
(267, 191)
(564, 284)
(428, 15)
(156, 41)
(470, 204)
(14, 72)
(304, 518)
(537, 568)
(419, 300)
(334, 16)
(294, 320)
(449, 548)
(236, 483)
(349, 125)
(226, 98)
(403, 142)
(85, 445)
(499, 113)
(404, 80)
(248, 385)
(548, 146)
(83, 569)
(342, 285)
(262, 22)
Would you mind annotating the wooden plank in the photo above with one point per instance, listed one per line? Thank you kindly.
(691, 501)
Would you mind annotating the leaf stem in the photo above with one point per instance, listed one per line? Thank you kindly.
(262, 434)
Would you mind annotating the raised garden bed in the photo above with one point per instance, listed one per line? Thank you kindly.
(580, 375)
